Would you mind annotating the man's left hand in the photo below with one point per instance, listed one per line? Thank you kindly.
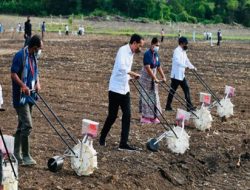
(38, 87)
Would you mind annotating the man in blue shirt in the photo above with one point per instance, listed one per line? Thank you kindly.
(24, 75)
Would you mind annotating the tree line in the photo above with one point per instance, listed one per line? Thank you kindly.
(204, 11)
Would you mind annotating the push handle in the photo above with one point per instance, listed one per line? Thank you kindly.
(42, 112)
(178, 98)
(205, 85)
(152, 108)
(58, 120)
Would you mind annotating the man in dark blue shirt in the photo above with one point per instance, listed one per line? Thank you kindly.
(24, 75)
(27, 31)
(219, 37)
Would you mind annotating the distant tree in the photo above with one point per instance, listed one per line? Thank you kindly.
(90, 5)
(123, 6)
(232, 6)
(176, 7)
(161, 11)
(243, 12)
(220, 7)
(207, 11)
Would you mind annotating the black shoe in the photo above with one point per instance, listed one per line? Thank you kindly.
(126, 147)
(169, 109)
(102, 142)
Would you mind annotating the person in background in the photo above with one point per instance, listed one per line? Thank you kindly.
(27, 31)
(179, 34)
(43, 29)
(25, 77)
(119, 95)
(194, 33)
(219, 37)
(209, 35)
(162, 35)
(150, 110)
(81, 30)
(19, 28)
(66, 30)
(205, 35)
(1, 28)
(180, 62)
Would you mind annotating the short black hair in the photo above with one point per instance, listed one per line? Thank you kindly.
(154, 40)
(183, 40)
(135, 38)
(35, 41)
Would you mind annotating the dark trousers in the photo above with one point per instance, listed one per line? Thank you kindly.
(218, 42)
(26, 42)
(162, 38)
(117, 100)
(184, 85)
(24, 120)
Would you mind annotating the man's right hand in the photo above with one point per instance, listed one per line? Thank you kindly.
(26, 90)
(157, 81)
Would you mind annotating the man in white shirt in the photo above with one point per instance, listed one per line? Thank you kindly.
(119, 95)
(180, 62)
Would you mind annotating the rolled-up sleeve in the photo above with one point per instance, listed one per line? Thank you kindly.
(188, 63)
(16, 63)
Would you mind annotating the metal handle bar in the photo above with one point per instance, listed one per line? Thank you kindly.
(179, 97)
(8, 155)
(151, 107)
(42, 112)
(58, 120)
(205, 85)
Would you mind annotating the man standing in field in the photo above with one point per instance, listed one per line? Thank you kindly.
(27, 31)
(119, 95)
(66, 30)
(219, 37)
(43, 29)
(162, 35)
(180, 62)
(24, 75)
(1, 26)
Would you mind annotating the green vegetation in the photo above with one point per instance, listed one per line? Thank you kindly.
(193, 11)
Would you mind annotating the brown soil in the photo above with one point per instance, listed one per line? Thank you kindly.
(74, 74)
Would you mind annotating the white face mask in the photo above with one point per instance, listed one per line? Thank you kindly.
(156, 48)
(38, 54)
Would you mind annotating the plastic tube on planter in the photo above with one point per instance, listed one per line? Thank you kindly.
(229, 91)
(1, 96)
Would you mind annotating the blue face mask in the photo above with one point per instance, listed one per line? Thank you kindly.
(156, 48)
